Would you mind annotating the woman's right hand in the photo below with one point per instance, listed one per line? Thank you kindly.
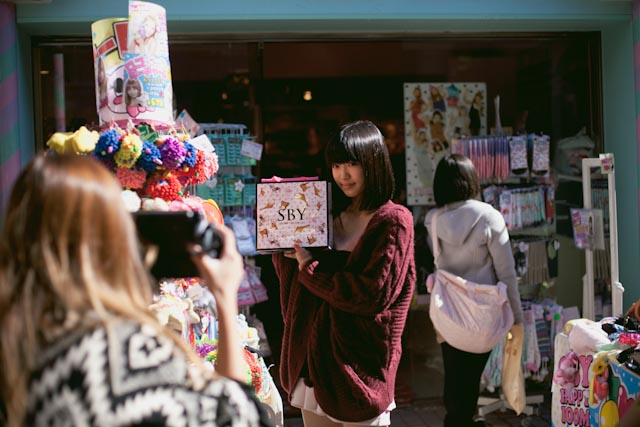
(224, 274)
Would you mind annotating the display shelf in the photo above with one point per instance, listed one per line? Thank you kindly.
(546, 230)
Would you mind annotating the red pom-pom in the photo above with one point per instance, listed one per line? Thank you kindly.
(165, 186)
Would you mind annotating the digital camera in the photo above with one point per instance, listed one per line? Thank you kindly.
(171, 233)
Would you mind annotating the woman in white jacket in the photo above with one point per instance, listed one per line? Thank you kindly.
(474, 244)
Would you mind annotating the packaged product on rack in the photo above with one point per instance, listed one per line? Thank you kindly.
(293, 211)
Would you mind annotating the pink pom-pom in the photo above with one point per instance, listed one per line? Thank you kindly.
(211, 164)
(131, 178)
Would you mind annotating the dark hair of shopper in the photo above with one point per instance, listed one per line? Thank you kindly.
(455, 180)
(363, 143)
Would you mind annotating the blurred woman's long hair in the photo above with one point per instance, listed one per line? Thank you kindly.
(69, 259)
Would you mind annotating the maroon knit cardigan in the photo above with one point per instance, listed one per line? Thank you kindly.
(345, 317)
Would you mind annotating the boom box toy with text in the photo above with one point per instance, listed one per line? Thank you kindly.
(293, 211)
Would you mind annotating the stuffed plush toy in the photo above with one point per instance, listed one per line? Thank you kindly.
(566, 371)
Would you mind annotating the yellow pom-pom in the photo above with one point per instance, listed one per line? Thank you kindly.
(129, 151)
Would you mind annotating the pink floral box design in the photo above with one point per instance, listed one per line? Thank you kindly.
(290, 212)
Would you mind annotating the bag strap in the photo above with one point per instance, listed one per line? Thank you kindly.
(434, 237)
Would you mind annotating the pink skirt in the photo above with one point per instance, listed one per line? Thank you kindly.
(304, 398)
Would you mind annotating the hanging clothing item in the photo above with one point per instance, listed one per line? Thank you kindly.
(537, 270)
(531, 352)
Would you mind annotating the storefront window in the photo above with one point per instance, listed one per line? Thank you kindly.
(294, 94)
(547, 83)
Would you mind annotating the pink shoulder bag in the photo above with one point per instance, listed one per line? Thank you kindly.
(469, 316)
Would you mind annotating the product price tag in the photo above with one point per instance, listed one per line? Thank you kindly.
(190, 125)
(202, 143)
(251, 149)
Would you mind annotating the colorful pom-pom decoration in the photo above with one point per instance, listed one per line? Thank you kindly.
(131, 178)
(190, 156)
(142, 162)
(130, 150)
(211, 165)
(164, 185)
(173, 153)
(108, 144)
(197, 173)
(150, 158)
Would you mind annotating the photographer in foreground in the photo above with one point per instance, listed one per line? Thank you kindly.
(78, 343)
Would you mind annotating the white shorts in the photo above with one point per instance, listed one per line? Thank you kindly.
(304, 398)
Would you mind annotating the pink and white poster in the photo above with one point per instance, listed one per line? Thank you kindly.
(133, 73)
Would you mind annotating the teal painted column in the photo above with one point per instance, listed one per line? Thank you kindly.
(9, 135)
(635, 25)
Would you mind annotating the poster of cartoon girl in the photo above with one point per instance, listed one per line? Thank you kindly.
(432, 119)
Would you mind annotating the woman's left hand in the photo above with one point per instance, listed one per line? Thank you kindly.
(302, 255)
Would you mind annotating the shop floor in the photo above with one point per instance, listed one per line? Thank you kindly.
(430, 413)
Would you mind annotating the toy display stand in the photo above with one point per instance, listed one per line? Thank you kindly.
(606, 164)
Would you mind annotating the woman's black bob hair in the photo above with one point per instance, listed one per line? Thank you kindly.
(455, 180)
(361, 142)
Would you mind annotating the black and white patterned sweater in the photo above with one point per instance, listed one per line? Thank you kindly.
(127, 375)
